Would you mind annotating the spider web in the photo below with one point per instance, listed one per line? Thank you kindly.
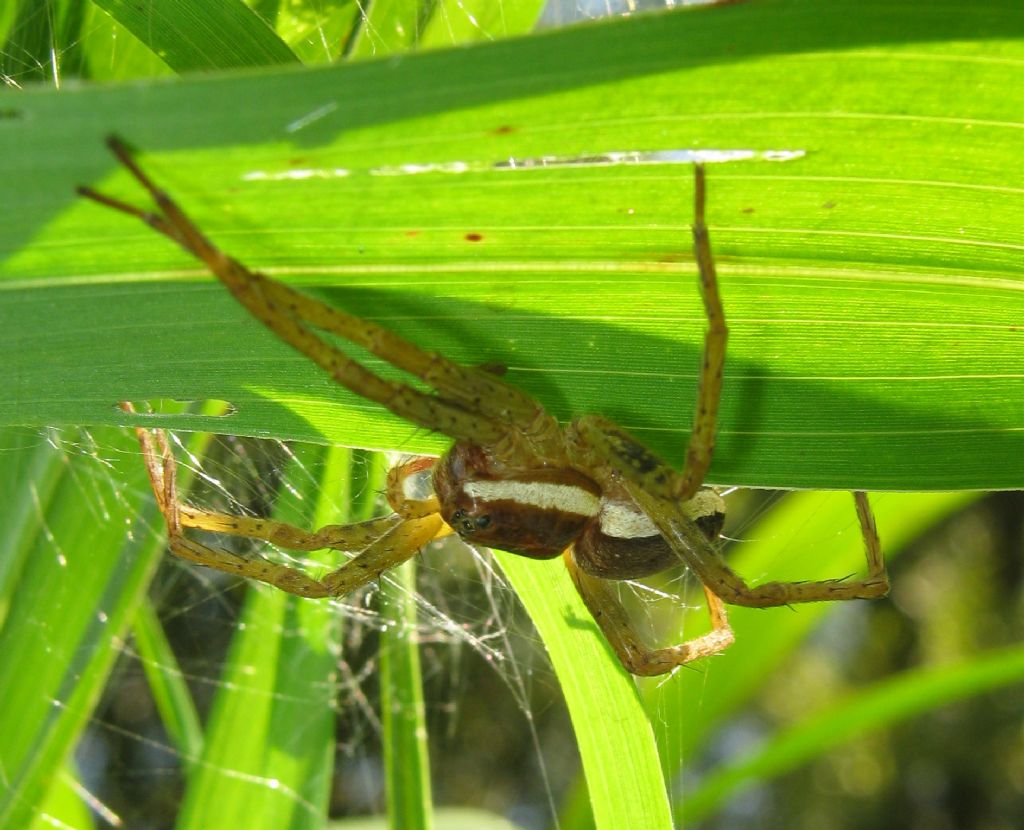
(482, 662)
(498, 732)
(476, 645)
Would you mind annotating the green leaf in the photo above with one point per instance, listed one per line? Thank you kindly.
(869, 710)
(188, 37)
(69, 609)
(406, 760)
(872, 284)
(403, 719)
(167, 685)
(614, 736)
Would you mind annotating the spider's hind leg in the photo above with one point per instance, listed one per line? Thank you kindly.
(472, 403)
(636, 657)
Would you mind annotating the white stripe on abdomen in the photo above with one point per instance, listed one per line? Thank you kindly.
(625, 522)
(545, 495)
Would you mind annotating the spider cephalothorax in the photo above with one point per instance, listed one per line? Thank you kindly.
(514, 479)
(532, 510)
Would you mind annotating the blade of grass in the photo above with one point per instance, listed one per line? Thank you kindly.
(869, 710)
(69, 615)
(29, 474)
(168, 687)
(614, 736)
(217, 34)
(406, 761)
(406, 757)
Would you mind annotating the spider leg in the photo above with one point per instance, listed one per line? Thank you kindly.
(349, 537)
(474, 403)
(382, 543)
(402, 542)
(635, 656)
(159, 461)
(710, 567)
(478, 389)
(709, 387)
(597, 442)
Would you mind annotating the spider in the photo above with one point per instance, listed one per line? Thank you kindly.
(515, 479)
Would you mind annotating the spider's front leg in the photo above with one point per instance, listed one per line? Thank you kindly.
(709, 384)
(380, 544)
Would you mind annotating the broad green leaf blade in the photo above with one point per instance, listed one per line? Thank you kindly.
(872, 283)
(613, 733)
(189, 37)
(869, 710)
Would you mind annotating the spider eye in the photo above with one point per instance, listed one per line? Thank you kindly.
(465, 524)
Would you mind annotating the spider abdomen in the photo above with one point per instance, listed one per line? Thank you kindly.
(622, 542)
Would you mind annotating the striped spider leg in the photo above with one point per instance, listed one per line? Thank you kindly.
(514, 479)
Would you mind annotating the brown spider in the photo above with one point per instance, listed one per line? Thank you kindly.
(515, 479)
